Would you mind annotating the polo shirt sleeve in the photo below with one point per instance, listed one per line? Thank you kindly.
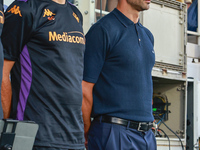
(17, 29)
(97, 45)
(150, 35)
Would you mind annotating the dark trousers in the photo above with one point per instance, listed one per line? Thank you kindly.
(107, 136)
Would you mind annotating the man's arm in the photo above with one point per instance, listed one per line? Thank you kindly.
(6, 90)
(87, 106)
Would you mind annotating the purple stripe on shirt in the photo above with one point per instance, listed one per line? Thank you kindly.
(71, 4)
(23, 0)
(26, 80)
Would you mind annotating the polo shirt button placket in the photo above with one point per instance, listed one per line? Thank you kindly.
(136, 28)
(139, 39)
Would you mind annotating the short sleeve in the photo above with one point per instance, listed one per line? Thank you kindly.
(97, 45)
(150, 35)
(17, 29)
(76, 10)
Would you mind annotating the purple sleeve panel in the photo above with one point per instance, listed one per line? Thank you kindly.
(23, 0)
(26, 80)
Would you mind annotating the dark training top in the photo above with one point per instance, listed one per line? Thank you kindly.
(1, 52)
(119, 58)
(46, 41)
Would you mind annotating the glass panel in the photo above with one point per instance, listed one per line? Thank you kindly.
(103, 7)
(71, 1)
(192, 39)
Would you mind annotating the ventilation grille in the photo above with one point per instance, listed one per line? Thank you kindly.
(169, 66)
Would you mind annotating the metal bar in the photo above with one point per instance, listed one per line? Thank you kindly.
(103, 12)
(193, 33)
(170, 3)
(100, 8)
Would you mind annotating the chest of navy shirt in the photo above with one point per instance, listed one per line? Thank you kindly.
(46, 41)
(119, 57)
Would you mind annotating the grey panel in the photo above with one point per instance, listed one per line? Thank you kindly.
(25, 133)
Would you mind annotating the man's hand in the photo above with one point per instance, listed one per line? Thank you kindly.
(6, 90)
(87, 107)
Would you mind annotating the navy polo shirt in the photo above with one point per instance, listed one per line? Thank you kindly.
(119, 58)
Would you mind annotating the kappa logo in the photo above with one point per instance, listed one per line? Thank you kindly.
(51, 18)
(49, 14)
(76, 17)
(1, 17)
(15, 10)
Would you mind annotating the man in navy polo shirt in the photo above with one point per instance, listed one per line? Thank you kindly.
(117, 82)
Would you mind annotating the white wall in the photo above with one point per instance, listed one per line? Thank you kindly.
(193, 69)
(8, 2)
(198, 98)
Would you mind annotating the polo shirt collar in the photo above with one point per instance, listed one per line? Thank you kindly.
(123, 19)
